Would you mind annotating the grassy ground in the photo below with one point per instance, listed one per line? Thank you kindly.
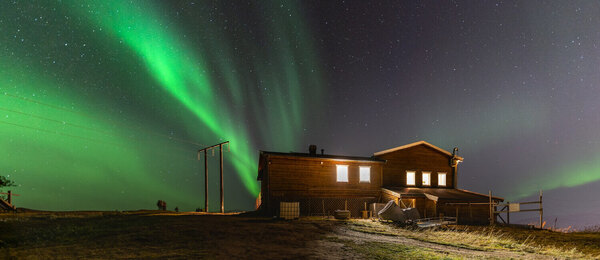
(152, 234)
(386, 250)
(497, 238)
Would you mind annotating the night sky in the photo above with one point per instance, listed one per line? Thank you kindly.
(104, 104)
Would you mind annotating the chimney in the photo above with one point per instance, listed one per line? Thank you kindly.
(312, 150)
(322, 151)
(454, 163)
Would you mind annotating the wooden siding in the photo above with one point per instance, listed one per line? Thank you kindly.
(420, 158)
(387, 195)
(467, 214)
(473, 214)
(317, 177)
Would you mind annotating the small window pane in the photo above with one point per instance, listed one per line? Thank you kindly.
(342, 173)
(441, 179)
(365, 174)
(410, 178)
(426, 178)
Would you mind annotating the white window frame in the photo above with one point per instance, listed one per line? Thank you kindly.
(362, 174)
(440, 174)
(342, 173)
(414, 177)
(428, 174)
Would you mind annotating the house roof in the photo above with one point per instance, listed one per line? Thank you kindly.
(441, 193)
(413, 145)
(325, 156)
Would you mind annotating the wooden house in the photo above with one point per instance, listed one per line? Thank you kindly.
(418, 175)
(320, 182)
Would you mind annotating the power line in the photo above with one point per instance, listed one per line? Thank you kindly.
(87, 116)
(41, 103)
(53, 120)
(67, 123)
(59, 133)
(81, 137)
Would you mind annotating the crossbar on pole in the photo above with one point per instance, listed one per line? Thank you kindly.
(205, 150)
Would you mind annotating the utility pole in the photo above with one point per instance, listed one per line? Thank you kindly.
(221, 170)
(541, 212)
(205, 183)
(492, 216)
(205, 150)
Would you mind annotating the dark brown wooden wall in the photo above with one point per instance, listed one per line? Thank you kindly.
(316, 177)
(475, 214)
(418, 158)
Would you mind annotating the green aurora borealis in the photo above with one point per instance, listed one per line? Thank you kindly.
(105, 140)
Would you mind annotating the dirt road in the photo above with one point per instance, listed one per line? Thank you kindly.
(343, 233)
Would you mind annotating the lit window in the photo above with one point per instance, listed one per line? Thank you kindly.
(441, 179)
(410, 178)
(365, 173)
(342, 173)
(426, 178)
